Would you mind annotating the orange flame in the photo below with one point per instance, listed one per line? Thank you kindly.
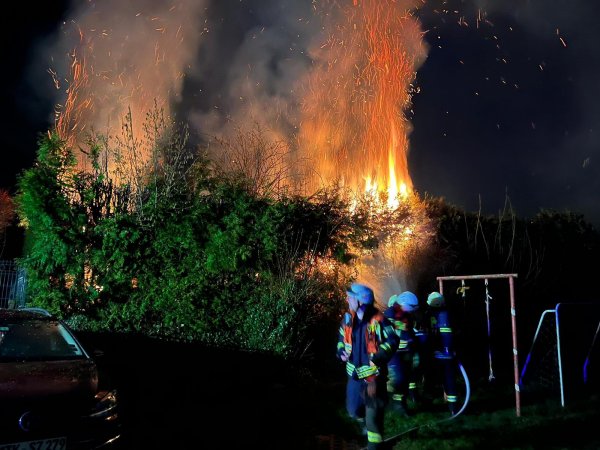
(68, 117)
(123, 64)
(353, 114)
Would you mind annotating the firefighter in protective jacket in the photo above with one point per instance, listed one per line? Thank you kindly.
(366, 343)
(441, 343)
(400, 313)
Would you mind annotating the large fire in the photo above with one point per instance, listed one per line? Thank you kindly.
(352, 124)
(353, 116)
(352, 101)
(122, 61)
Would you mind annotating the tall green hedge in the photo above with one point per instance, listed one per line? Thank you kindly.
(190, 258)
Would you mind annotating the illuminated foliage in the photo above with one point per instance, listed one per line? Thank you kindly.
(175, 248)
(7, 211)
(176, 252)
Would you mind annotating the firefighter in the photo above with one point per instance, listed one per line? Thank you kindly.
(440, 342)
(366, 343)
(400, 312)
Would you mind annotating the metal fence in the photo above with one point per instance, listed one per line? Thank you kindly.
(12, 284)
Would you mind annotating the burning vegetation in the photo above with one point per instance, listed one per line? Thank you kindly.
(353, 111)
(350, 129)
(283, 209)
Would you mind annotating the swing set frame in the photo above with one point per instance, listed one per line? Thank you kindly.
(513, 314)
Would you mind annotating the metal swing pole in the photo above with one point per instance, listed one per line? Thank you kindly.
(513, 315)
(488, 297)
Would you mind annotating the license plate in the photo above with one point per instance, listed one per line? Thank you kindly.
(59, 443)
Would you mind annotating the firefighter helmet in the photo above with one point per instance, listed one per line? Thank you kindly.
(362, 293)
(435, 299)
(407, 300)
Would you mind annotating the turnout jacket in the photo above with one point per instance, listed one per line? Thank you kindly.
(403, 323)
(440, 333)
(370, 343)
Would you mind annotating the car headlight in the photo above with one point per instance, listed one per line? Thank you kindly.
(106, 406)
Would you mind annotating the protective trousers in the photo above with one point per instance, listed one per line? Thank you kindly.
(448, 367)
(361, 406)
(400, 373)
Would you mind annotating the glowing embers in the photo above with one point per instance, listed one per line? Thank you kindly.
(353, 123)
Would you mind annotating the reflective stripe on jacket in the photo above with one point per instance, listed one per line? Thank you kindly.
(403, 326)
(441, 331)
(379, 340)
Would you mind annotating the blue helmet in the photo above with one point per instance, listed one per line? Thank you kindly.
(407, 300)
(363, 294)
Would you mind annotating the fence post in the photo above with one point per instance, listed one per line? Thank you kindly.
(12, 284)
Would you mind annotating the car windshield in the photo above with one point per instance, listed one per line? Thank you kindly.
(37, 340)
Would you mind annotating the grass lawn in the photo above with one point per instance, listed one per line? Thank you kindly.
(489, 421)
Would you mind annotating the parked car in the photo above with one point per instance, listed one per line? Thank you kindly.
(49, 387)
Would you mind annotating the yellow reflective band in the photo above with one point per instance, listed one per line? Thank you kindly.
(341, 330)
(445, 330)
(402, 326)
(366, 371)
(349, 368)
(412, 385)
(373, 327)
(386, 346)
(341, 345)
(451, 398)
(376, 438)
(398, 397)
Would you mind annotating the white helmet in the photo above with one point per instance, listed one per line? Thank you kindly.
(435, 299)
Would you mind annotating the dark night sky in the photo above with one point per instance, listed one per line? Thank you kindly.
(25, 113)
(486, 127)
(503, 109)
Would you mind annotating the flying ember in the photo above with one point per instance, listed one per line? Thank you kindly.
(337, 94)
(353, 114)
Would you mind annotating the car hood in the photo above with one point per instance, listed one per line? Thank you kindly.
(48, 378)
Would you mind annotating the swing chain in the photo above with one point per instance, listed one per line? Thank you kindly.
(488, 297)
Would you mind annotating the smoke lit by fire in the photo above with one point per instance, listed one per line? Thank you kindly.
(119, 57)
(351, 100)
(354, 103)
(337, 95)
